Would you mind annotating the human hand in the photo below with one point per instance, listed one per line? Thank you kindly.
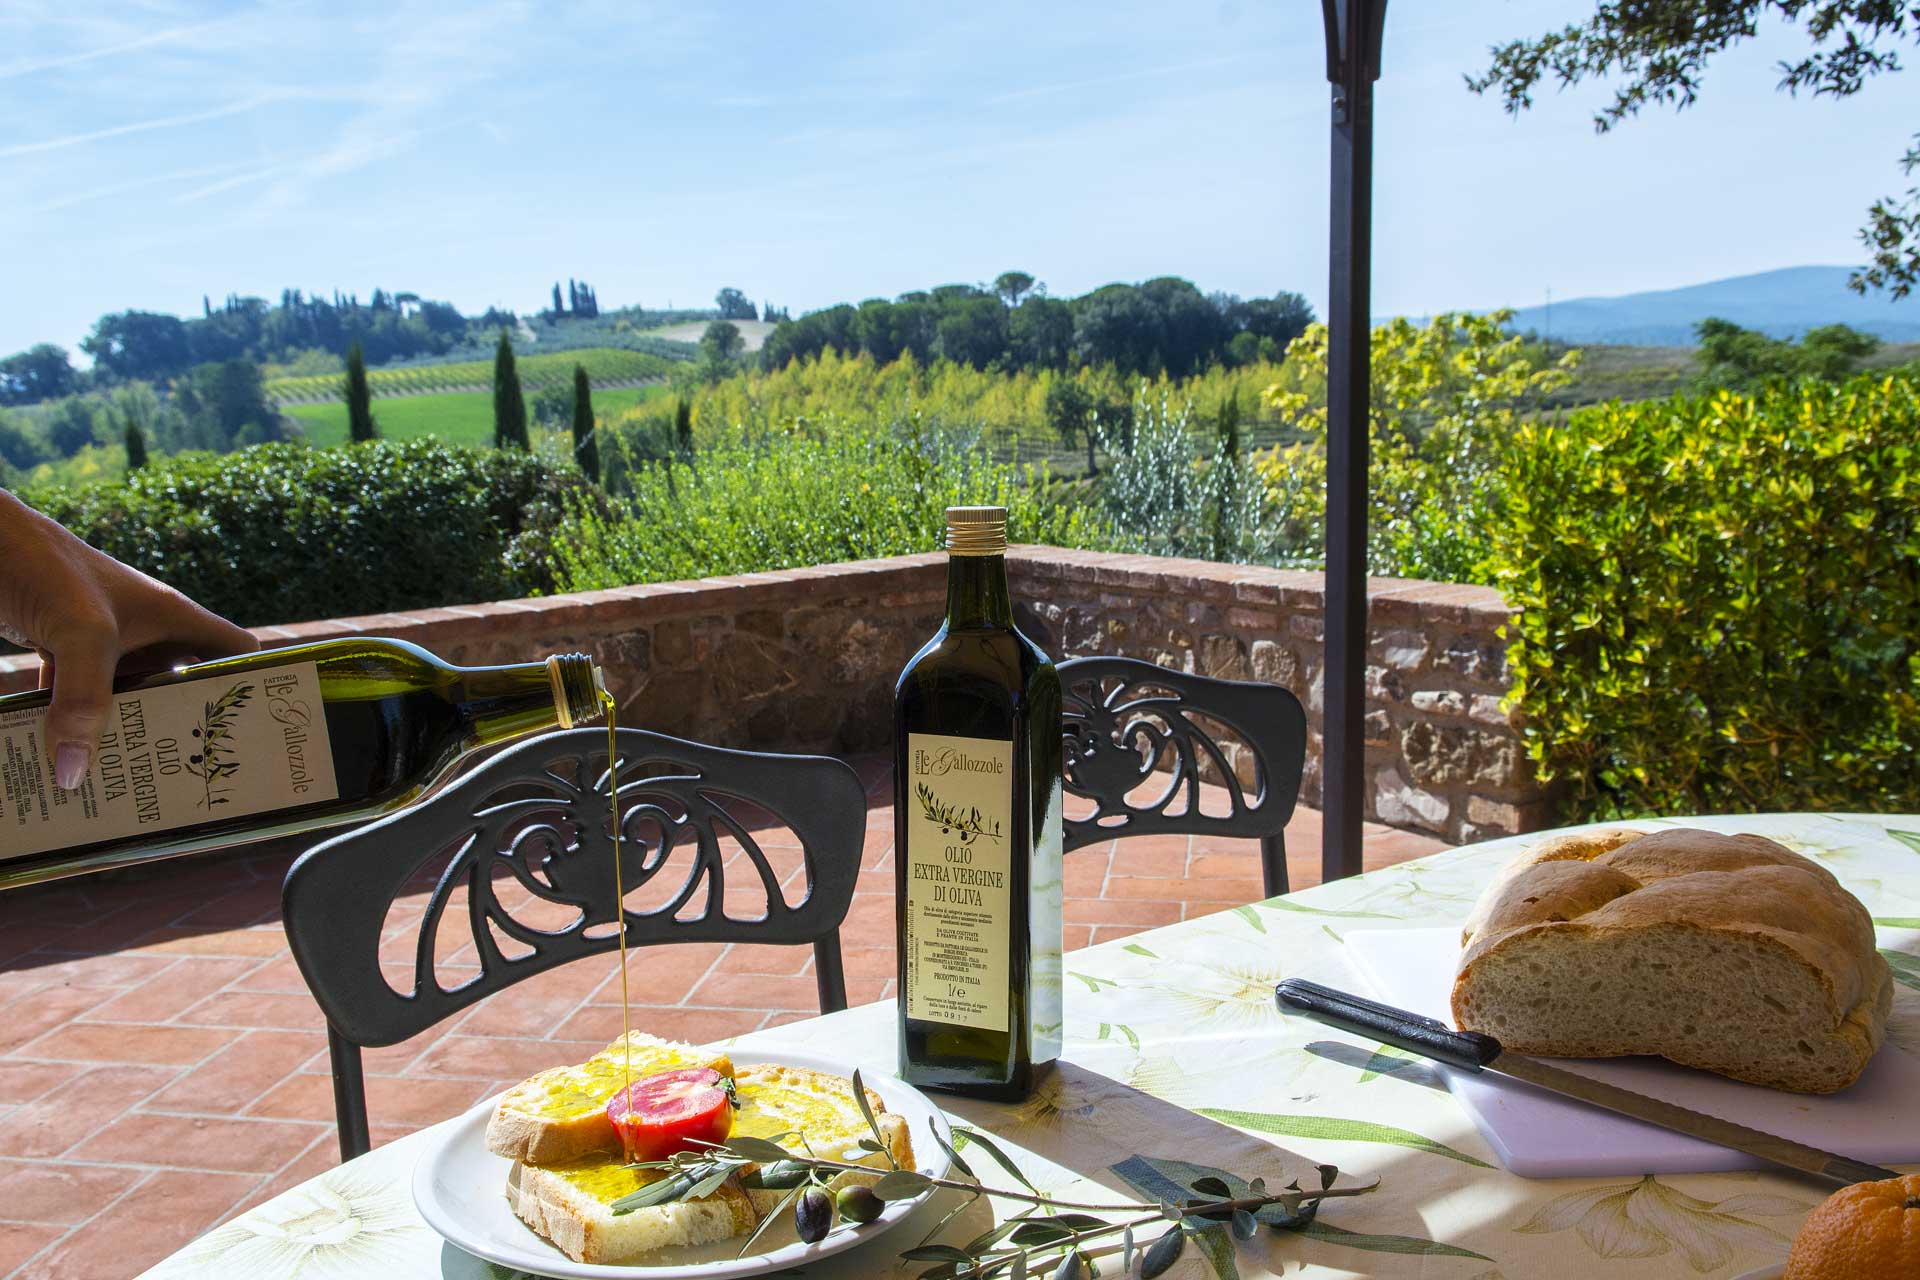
(91, 617)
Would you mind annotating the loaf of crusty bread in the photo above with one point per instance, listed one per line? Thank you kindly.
(1728, 953)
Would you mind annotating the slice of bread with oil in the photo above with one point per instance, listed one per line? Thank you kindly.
(806, 1110)
(561, 1115)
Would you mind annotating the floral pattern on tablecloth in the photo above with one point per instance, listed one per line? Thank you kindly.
(1174, 1049)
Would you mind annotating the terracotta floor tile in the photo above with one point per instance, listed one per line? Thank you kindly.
(111, 970)
(200, 1142)
(601, 1022)
(252, 904)
(494, 1057)
(1075, 936)
(166, 1211)
(1132, 859)
(409, 1100)
(1149, 888)
(867, 962)
(32, 1015)
(1084, 876)
(18, 938)
(1211, 866)
(728, 991)
(109, 1042)
(88, 1102)
(1120, 911)
(278, 974)
(236, 942)
(20, 1241)
(1114, 932)
(743, 957)
(1220, 889)
(255, 1009)
(25, 1081)
(322, 1155)
(538, 1005)
(175, 989)
(56, 1192)
(225, 1083)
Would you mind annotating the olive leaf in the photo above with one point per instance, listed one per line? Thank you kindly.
(948, 1147)
(1336, 1129)
(755, 1148)
(866, 1112)
(1386, 1243)
(653, 1193)
(1162, 1253)
(901, 1184)
(986, 1144)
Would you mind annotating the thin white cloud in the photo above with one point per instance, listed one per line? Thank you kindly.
(1120, 77)
(13, 70)
(138, 126)
(137, 184)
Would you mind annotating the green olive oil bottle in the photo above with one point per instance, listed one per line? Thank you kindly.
(266, 744)
(977, 754)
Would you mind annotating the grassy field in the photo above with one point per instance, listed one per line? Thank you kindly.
(458, 417)
(603, 364)
(1642, 373)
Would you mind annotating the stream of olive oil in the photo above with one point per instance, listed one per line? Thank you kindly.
(619, 906)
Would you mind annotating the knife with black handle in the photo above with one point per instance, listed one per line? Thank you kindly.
(1476, 1051)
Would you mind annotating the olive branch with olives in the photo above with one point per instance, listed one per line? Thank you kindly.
(970, 824)
(1050, 1237)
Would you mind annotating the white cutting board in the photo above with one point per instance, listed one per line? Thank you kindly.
(1542, 1135)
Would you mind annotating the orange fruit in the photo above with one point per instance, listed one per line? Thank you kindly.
(1868, 1231)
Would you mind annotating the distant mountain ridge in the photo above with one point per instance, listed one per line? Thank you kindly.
(1783, 304)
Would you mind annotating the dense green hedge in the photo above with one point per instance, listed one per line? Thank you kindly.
(283, 533)
(1719, 599)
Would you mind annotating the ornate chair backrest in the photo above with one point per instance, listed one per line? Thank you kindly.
(527, 840)
(1142, 741)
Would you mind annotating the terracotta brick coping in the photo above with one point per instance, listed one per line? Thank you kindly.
(1390, 600)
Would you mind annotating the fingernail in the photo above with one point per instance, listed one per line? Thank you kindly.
(70, 765)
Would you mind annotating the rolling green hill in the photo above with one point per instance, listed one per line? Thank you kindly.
(603, 365)
(458, 417)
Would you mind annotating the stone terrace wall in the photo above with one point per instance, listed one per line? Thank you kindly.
(1441, 756)
(804, 659)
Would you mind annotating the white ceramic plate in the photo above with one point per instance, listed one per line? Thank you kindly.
(460, 1189)
(1764, 1273)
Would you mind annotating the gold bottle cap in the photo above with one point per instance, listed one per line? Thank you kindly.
(976, 531)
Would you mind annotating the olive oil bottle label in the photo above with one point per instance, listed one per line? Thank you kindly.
(171, 756)
(958, 860)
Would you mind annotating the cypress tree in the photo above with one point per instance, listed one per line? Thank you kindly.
(683, 428)
(585, 450)
(136, 447)
(558, 310)
(509, 405)
(360, 424)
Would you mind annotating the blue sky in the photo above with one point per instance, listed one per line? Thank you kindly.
(153, 151)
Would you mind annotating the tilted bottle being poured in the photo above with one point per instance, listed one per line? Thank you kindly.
(267, 744)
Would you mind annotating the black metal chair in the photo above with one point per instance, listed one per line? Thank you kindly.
(1133, 726)
(538, 813)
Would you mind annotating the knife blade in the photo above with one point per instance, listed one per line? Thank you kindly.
(1476, 1051)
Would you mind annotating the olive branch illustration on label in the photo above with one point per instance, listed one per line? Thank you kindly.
(214, 761)
(971, 824)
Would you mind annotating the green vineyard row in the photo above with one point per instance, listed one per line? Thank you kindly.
(603, 365)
